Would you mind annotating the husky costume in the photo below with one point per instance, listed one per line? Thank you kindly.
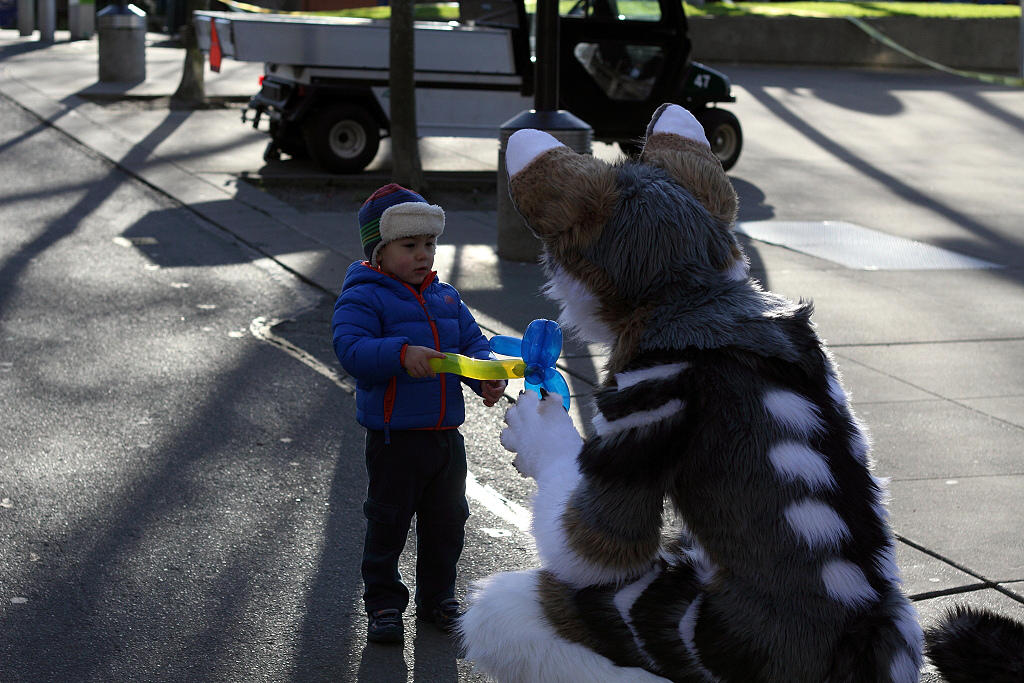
(719, 400)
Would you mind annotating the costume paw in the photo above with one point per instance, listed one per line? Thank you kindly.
(671, 118)
(540, 432)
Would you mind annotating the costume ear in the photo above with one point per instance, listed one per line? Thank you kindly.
(676, 143)
(675, 120)
(557, 190)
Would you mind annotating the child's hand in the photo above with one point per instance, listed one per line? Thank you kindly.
(492, 390)
(417, 361)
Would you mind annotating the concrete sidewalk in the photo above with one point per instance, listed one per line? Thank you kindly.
(933, 355)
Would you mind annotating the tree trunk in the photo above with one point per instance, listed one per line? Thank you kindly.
(405, 154)
(191, 92)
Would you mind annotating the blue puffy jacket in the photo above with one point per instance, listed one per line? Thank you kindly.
(375, 317)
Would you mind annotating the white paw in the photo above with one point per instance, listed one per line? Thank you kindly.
(540, 432)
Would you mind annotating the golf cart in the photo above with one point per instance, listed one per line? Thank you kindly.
(325, 84)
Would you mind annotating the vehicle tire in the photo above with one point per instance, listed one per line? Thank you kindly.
(291, 144)
(294, 148)
(723, 132)
(342, 138)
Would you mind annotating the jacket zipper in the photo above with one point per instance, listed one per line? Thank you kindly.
(437, 340)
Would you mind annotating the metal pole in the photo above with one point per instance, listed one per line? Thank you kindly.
(1021, 52)
(26, 17)
(546, 96)
(47, 20)
(515, 241)
(74, 20)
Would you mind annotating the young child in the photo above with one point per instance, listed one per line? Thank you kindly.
(392, 317)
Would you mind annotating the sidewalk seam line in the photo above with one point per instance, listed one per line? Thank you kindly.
(957, 590)
(926, 342)
(987, 582)
(940, 397)
(959, 476)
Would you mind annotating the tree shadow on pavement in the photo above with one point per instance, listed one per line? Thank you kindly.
(185, 557)
(15, 49)
(188, 574)
(995, 246)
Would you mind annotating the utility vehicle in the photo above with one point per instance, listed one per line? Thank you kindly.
(325, 83)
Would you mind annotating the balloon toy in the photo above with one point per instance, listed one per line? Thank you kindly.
(538, 350)
(478, 369)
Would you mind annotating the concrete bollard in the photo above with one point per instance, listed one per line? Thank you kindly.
(47, 20)
(26, 17)
(122, 37)
(81, 19)
(515, 241)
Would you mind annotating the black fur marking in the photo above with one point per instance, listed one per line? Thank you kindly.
(655, 358)
(656, 615)
(646, 395)
(723, 650)
(608, 631)
(631, 516)
(870, 642)
(634, 459)
(973, 645)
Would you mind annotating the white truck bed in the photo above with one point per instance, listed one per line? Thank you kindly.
(355, 43)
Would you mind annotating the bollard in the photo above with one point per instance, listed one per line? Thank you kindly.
(26, 17)
(515, 241)
(47, 20)
(122, 37)
(81, 19)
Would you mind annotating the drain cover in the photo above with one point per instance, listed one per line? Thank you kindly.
(857, 247)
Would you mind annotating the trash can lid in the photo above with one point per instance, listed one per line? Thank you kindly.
(121, 17)
(116, 9)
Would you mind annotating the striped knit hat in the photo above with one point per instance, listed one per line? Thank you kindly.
(393, 212)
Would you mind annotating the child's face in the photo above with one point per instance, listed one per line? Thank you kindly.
(410, 259)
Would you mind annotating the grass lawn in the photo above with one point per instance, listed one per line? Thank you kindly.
(956, 10)
(647, 9)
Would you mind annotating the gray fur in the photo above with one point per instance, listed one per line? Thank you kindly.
(660, 235)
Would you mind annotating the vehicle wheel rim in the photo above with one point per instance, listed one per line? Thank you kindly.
(723, 142)
(347, 139)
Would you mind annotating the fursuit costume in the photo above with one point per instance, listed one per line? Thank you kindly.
(722, 524)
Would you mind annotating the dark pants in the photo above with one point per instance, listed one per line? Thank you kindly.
(421, 473)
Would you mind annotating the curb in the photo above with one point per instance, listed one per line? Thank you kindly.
(965, 44)
(371, 180)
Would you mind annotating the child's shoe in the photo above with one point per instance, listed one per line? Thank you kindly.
(446, 615)
(385, 626)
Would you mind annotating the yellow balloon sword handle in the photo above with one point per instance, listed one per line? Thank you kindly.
(479, 369)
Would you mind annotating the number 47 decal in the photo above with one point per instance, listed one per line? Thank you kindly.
(702, 80)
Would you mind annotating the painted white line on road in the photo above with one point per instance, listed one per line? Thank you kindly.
(260, 328)
(508, 510)
(484, 494)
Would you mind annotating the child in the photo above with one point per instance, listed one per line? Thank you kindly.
(392, 317)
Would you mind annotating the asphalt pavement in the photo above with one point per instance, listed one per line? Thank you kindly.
(931, 347)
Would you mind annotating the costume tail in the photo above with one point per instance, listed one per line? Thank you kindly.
(971, 645)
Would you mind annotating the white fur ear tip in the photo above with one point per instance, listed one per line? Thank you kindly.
(677, 120)
(526, 145)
